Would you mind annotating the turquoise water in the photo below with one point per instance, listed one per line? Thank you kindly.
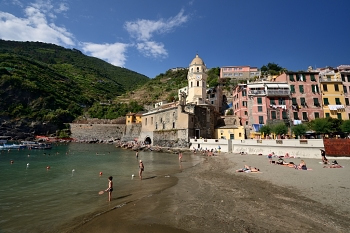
(34, 199)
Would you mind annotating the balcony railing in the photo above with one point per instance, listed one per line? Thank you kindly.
(280, 92)
(256, 92)
(328, 79)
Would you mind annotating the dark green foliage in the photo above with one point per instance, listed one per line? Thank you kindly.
(271, 69)
(112, 111)
(213, 77)
(345, 127)
(280, 129)
(299, 130)
(47, 82)
(321, 125)
(266, 129)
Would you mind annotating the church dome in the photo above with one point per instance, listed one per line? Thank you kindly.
(197, 61)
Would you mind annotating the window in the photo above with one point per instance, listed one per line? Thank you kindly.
(261, 119)
(284, 115)
(317, 115)
(316, 103)
(197, 83)
(314, 89)
(294, 101)
(327, 115)
(246, 113)
(336, 87)
(173, 125)
(161, 120)
(325, 88)
(273, 114)
(337, 101)
(349, 78)
(302, 101)
(151, 120)
(272, 101)
(292, 88)
(244, 93)
(339, 116)
(291, 78)
(295, 116)
(191, 84)
(347, 101)
(312, 78)
(244, 103)
(345, 89)
(281, 101)
(232, 136)
(239, 134)
(325, 101)
(156, 125)
(343, 78)
(305, 118)
(301, 88)
(259, 100)
(146, 121)
(260, 109)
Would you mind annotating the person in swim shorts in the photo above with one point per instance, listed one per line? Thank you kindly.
(110, 188)
(142, 168)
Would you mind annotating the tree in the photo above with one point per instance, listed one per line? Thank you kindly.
(321, 126)
(280, 129)
(345, 126)
(272, 69)
(299, 130)
(265, 129)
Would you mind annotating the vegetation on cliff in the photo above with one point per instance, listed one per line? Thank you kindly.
(46, 82)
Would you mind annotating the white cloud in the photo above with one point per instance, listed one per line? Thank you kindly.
(143, 31)
(152, 49)
(34, 26)
(63, 7)
(113, 53)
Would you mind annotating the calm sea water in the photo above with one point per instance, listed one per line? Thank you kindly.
(34, 199)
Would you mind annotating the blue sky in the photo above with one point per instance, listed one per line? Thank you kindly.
(152, 36)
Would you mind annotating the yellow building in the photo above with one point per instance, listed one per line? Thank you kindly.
(333, 96)
(133, 118)
(230, 132)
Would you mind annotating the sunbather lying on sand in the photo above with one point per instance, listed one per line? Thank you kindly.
(248, 169)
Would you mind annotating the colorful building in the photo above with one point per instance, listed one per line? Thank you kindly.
(333, 98)
(345, 76)
(305, 96)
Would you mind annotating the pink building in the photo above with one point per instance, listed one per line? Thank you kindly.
(305, 95)
(239, 72)
(240, 103)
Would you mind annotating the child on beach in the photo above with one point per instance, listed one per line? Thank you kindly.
(110, 188)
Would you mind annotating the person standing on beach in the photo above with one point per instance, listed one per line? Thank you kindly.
(137, 154)
(180, 157)
(323, 155)
(110, 188)
(142, 168)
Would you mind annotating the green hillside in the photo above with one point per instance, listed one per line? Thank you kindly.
(47, 82)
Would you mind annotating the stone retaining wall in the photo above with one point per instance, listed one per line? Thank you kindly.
(102, 132)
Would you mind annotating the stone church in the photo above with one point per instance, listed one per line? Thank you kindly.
(193, 116)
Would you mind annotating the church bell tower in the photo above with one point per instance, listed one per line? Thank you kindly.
(197, 81)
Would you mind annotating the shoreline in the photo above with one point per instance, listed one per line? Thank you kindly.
(212, 197)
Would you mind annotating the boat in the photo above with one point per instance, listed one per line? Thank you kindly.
(36, 145)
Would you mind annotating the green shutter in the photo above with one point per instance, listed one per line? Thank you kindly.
(294, 101)
(325, 101)
(312, 77)
(291, 77)
(284, 115)
(259, 100)
(316, 103)
(301, 88)
(292, 88)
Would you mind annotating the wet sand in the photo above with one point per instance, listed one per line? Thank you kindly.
(212, 197)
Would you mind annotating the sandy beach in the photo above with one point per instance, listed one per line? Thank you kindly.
(212, 197)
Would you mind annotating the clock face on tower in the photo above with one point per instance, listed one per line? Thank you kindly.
(198, 77)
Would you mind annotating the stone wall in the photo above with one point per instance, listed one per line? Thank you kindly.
(132, 132)
(170, 138)
(101, 132)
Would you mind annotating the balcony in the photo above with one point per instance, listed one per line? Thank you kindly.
(330, 79)
(256, 92)
(278, 92)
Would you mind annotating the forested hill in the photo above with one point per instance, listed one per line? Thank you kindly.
(42, 81)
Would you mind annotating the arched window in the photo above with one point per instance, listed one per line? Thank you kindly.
(197, 83)
(197, 69)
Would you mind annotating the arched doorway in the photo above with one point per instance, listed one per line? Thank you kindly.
(148, 141)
